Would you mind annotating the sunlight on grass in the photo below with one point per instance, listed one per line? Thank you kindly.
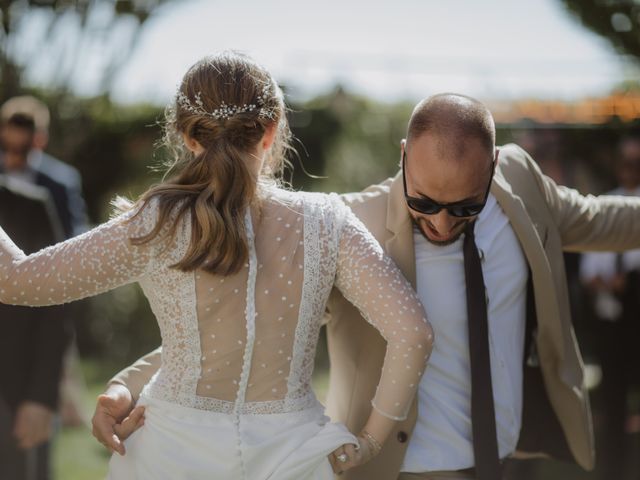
(77, 455)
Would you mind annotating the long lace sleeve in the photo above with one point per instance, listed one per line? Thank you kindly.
(373, 283)
(92, 263)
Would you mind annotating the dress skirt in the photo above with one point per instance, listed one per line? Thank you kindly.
(181, 443)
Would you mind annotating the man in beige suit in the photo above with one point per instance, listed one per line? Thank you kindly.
(455, 185)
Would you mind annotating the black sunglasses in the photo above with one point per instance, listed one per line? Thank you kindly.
(430, 207)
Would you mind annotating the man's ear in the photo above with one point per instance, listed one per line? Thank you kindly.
(403, 147)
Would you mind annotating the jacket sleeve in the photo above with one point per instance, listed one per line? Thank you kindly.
(587, 222)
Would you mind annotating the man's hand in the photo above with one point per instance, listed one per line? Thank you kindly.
(33, 424)
(115, 418)
(619, 283)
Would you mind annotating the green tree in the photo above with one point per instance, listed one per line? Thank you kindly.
(61, 37)
(616, 20)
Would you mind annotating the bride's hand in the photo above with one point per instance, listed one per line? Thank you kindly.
(115, 418)
(349, 455)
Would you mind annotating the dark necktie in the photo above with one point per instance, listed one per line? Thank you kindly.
(619, 264)
(483, 418)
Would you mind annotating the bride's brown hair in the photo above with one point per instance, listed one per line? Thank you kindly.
(216, 187)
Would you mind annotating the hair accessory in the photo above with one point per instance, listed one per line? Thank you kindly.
(224, 111)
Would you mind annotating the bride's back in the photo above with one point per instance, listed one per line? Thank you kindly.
(248, 340)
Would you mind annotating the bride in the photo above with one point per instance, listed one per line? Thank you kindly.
(237, 271)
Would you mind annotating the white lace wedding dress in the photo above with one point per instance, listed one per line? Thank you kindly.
(233, 397)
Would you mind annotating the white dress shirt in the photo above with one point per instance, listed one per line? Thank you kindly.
(442, 439)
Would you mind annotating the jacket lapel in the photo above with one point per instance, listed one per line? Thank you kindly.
(399, 246)
(545, 296)
(519, 219)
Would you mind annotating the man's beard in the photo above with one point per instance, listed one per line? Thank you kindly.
(442, 243)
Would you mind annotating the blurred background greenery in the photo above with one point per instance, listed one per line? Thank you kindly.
(346, 140)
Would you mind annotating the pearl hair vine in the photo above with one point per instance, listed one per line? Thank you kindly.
(224, 111)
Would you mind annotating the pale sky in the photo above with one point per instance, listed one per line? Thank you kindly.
(391, 50)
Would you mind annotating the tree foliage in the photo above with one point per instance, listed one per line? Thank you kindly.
(58, 39)
(616, 20)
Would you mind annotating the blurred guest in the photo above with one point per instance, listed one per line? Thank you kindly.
(612, 279)
(32, 344)
(24, 133)
(41, 167)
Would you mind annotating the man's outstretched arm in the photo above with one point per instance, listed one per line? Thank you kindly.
(587, 222)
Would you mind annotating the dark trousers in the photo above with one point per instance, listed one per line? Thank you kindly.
(15, 463)
(618, 360)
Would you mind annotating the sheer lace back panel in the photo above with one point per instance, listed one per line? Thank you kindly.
(275, 290)
(243, 343)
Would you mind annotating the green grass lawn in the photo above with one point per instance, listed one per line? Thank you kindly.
(77, 455)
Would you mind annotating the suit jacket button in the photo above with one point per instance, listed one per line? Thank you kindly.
(402, 436)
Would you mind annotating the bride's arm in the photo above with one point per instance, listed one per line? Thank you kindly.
(138, 374)
(373, 283)
(92, 263)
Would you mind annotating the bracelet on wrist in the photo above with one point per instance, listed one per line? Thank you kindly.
(373, 443)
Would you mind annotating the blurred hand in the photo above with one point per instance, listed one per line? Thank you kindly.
(355, 455)
(33, 424)
(115, 419)
(595, 284)
(619, 283)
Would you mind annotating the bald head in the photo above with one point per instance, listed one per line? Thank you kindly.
(451, 120)
(448, 160)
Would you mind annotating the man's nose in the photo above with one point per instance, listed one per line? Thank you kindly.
(443, 222)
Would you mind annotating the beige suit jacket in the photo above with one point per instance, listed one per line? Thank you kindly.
(547, 219)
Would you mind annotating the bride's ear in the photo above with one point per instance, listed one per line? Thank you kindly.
(269, 136)
(192, 144)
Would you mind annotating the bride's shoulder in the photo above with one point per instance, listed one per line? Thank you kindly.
(164, 222)
(309, 200)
